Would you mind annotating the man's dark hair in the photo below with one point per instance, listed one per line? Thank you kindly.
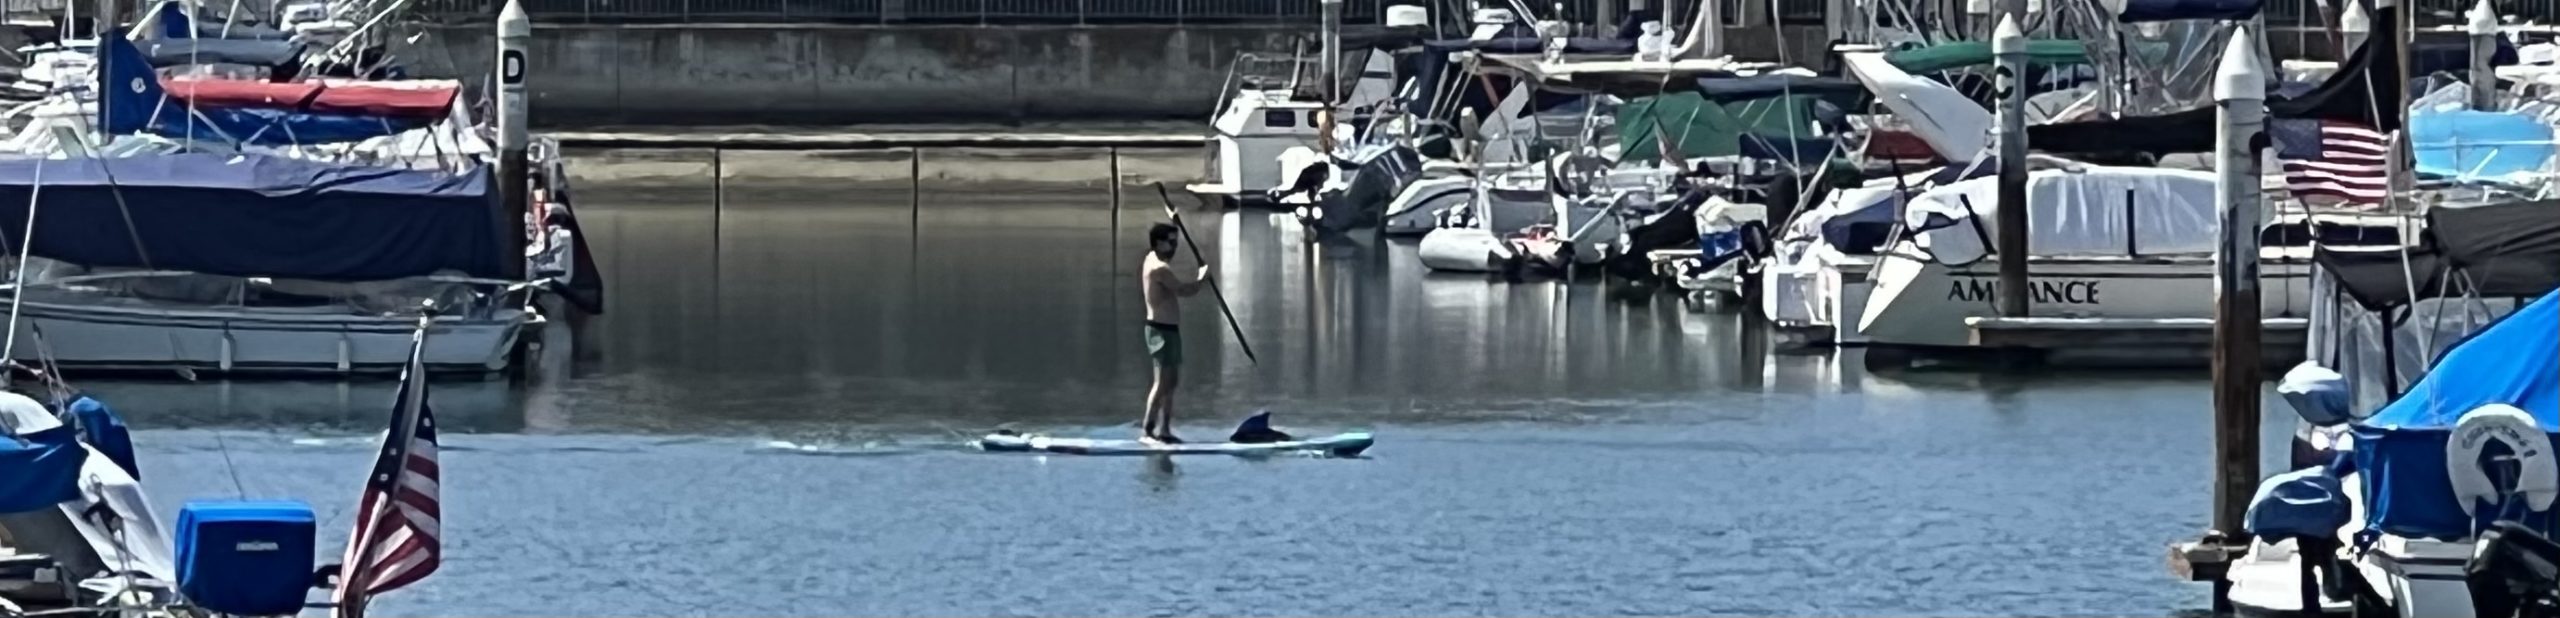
(1161, 232)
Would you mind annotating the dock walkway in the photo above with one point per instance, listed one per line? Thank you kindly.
(2170, 342)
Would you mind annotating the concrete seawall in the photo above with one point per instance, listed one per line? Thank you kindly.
(827, 74)
(836, 74)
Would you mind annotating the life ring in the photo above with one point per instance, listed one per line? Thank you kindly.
(2539, 477)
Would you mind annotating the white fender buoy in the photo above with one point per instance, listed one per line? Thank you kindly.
(2539, 477)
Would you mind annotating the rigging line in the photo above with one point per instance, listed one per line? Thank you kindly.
(108, 171)
(18, 289)
(237, 489)
(126, 212)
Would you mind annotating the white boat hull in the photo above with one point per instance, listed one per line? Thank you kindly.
(245, 340)
(1920, 302)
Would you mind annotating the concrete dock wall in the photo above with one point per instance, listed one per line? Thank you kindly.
(827, 74)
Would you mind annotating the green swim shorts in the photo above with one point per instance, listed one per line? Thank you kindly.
(1164, 344)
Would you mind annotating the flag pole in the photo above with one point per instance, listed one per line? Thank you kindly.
(352, 595)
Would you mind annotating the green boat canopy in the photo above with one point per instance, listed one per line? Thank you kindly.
(1700, 128)
(1960, 54)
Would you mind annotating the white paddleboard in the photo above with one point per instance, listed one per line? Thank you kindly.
(1338, 445)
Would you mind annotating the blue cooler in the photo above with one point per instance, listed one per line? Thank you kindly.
(247, 558)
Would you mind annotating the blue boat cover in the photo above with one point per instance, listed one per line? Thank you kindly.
(251, 215)
(41, 471)
(2477, 144)
(2305, 503)
(184, 52)
(105, 432)
(2140, 11)
(2401, 448)
(131, 101)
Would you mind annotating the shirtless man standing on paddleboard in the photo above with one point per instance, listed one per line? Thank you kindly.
(1164, 292)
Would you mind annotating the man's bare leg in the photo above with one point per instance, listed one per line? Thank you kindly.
(1155, 407)
(1171, 378)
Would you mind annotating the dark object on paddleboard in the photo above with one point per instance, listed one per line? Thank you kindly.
(1257, 426)
(1257, 429)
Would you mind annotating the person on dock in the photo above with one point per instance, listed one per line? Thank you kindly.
(1164, 291)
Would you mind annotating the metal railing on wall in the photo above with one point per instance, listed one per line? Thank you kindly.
(1292, 12)
(971, 12)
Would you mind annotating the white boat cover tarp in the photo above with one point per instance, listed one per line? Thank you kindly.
(2085, 211)
(147, 547)
(1955, 126)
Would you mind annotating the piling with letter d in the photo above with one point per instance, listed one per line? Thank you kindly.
(515, 31)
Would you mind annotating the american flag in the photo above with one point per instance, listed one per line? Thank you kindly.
(2341, 160)
(397, 538)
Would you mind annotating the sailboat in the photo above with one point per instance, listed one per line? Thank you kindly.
(255, 228)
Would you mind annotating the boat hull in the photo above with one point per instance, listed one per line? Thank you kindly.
(250, 341)
(1918, 302)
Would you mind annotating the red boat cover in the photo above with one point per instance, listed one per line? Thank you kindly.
(408, 99)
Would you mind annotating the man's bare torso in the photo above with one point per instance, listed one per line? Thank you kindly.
(1164, 306)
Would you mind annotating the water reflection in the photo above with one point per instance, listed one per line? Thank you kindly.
(847, 305)
(807, 349)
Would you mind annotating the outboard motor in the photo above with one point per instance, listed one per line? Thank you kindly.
(1362, 203)
(2514, 572)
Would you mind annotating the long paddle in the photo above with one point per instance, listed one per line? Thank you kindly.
(1232, 326)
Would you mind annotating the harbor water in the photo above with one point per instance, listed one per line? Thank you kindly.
(771, 419)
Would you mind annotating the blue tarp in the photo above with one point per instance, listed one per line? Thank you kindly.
(2140, 11)
(105, 432)
(131, 101)
(256, 215)
(2477, 144)
(2401, 448)
(41, 471)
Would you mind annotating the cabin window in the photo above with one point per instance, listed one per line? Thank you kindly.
(1279, 119)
